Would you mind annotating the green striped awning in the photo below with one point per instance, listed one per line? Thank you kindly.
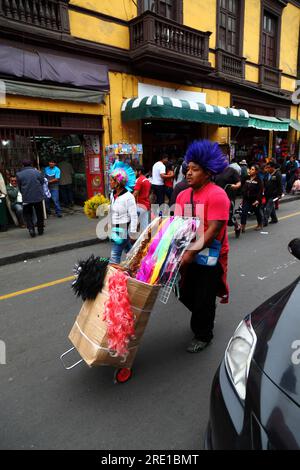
(295, 124)
(268, 123)
(161, 107)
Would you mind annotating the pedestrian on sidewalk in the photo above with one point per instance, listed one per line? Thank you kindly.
(30, 182)
(252, 193)
(272, 192)
(123, 213)
(141, 193)
(202, 283)
(178, 173)
(291, 171)
(169, 182)
(52, 173)
(65, 183)
(244, 171)
(158, 179)
(16, 200)
(230, 181)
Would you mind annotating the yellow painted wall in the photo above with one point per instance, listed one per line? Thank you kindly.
(289, 40)
(218, 134)
(212, 59)
(122, 86)
(37, 104)
(201, 15)
(252, 73)
(94, 29)
(252, 30)
(123, 9)
(288, 84)
(294, 112)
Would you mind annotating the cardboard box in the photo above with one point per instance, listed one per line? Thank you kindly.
(89, 332)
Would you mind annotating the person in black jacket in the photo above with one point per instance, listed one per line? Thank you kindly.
(181, 186)
(252, 196)
(291, 170)
(30, 183)
(273, 191)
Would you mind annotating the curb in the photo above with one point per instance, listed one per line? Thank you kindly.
(48, 251)
(289, 199)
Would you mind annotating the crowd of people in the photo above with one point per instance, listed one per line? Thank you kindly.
(206, 178)
(260, 185)
(203, 179)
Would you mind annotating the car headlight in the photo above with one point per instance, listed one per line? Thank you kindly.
(238, 356)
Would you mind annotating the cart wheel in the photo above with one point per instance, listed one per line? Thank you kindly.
(122, 375)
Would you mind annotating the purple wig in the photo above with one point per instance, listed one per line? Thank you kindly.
(208, 155)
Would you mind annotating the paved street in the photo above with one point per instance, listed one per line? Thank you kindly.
(166, 403)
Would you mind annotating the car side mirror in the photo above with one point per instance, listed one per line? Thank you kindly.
(294, 247)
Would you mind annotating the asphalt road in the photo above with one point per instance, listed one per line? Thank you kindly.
(165, 405)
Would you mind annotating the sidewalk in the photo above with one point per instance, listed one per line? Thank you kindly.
(70, 232)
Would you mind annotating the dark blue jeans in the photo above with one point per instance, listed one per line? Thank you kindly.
(55, 199)
(117, 250)
(66, 194)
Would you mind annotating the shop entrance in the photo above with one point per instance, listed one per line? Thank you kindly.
(64, 140)
(171, 137)
(250, 144)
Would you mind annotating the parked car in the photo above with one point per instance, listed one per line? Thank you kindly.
(255, 396)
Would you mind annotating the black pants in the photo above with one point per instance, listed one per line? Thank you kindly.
(168, 192)
(28, 215)
(198, 294)
(159, 192)
(66, 194)
(247, 206)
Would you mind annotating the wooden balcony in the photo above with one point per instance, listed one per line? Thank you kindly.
(269, 77)
(230, 65)
(28, 15)
(157, 43)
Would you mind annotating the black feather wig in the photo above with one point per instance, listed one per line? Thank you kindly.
(90, 276)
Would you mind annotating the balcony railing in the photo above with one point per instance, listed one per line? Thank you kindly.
(151, 29)
(269, 76)
(230, 64)
(47, 14)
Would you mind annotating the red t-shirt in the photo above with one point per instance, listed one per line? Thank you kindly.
(143, 185)
(169, 182)
(210, 203)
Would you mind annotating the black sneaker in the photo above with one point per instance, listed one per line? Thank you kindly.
(40, 231)
(32, 233)
(197, 345)
(274, 222)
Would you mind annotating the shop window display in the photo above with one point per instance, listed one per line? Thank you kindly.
(66, 148)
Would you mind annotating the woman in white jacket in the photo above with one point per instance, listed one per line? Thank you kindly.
(124, 218)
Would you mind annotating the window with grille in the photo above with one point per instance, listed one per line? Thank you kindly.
(269, 39)
(229, 24)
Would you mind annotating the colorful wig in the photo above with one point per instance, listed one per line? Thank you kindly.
(208, 155)
(131, 178)
(120, 176)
